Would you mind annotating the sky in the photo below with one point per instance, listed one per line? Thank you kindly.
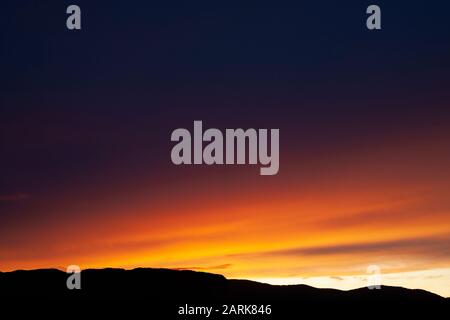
(86, 118)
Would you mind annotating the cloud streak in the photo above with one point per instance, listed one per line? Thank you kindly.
(430, 246)
(218, 267)
(14, 197)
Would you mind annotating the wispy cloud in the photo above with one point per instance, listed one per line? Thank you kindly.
(409, 212)
(14, 197)
(438, 245)
(219, 267)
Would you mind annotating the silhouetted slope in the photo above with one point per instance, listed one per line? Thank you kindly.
(115, 283)
(170, 288)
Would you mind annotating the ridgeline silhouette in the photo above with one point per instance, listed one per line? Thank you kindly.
(162, 287)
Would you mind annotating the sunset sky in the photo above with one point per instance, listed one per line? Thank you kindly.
(364, 119)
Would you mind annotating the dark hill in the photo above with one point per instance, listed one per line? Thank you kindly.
(171, 289)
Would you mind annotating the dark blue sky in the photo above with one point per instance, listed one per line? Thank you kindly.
(96, 107)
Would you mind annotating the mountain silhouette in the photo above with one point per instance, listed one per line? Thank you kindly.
(175, 288)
